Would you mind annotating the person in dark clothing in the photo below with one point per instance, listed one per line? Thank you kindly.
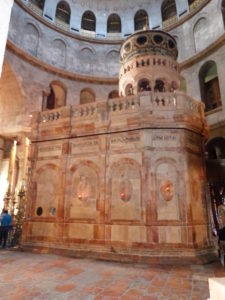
(6, 224)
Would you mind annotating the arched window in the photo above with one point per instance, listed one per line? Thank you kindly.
(159, 86)
(113, 94)
(88, 21)
(223, 11)
(63, 12)
(113, 24)
(168, 9)
(140, 19)
(38, 3)
(87, 96)
(144, 85)
(209, 86)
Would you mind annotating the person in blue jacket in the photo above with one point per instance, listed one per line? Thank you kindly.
(6, 225)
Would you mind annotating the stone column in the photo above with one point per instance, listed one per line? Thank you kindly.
(5, 13)
(1, 149)
(9, 198)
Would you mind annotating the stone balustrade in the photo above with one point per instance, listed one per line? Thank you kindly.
(54, 114)
(144, 101)
(84, 110)
(122, 105)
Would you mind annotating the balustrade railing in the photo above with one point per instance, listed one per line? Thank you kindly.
(84, 110)
(155, 102)
(54, 115)
(122, 105)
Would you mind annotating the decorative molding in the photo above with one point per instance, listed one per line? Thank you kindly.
(56, 71)
(203, 54)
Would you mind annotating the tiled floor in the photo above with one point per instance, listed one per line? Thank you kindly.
(34, 276)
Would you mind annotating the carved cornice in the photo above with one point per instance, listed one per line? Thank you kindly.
(56, 71)
(203, 54)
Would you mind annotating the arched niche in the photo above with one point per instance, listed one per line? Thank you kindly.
(113, 94)
(87, 58)
(124, 190)
(88, 21)
(58, 53)
(199, 31)
(84, 190)
(54, 96)
(140, 19)
(112, 59)
(31, 39)
(63, 12)
(87, 95)
(168, 9)
(49, 191)
(113, 24)
(167, 187)
(144, 85)
(209, 86)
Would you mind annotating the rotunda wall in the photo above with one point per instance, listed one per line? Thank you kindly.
(71, 51)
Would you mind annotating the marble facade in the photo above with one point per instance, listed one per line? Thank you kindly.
(122, 180)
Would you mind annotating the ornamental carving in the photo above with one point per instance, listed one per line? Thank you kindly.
(167, 190)
(126, 190)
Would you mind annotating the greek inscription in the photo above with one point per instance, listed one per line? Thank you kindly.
(85, 144)
(50, 148)
(125, 140)
(164, 138)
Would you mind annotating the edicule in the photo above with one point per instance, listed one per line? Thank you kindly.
(128, 185)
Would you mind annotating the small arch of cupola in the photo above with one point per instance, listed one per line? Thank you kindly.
(63, 12)
(114, 24)
(88, 21)
(87, 95)
(168, 11)
(140, 19)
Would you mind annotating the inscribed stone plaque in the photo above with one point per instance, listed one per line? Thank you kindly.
(125, 141)
(165, 140)
(49, 150)
(84, 145)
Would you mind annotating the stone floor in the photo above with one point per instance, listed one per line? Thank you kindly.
(47, 277)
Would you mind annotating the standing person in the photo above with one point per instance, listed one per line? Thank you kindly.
(6, 224)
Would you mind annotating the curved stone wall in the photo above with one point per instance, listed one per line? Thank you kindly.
(101, 57)
(199, 38)
(126, 11)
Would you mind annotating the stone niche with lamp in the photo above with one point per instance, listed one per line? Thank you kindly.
(123, 180)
